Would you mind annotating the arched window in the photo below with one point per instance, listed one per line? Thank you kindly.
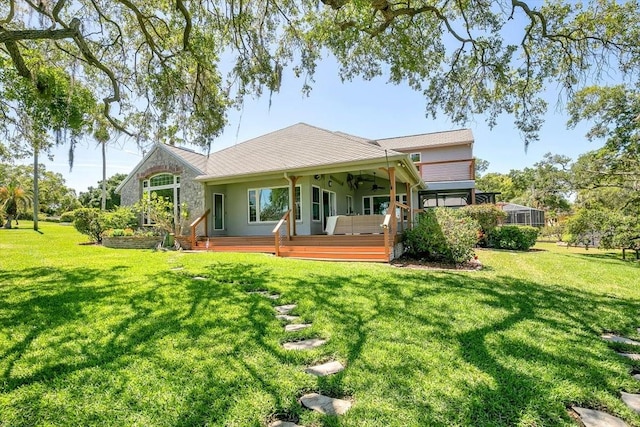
(167, 186)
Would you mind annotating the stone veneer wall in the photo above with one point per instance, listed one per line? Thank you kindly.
(191, 192)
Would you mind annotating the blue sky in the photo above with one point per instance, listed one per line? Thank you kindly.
(372, 109)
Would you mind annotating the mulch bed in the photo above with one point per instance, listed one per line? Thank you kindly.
(422, 264)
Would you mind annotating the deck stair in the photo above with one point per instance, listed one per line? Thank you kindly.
(366, 247)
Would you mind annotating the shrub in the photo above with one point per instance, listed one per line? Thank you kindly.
(488, 218)
(585, 227)
(118, 232)
(554, 232)
(67, 217)
(121, 218)
(88, 221)
(514, 237)
(442, 234)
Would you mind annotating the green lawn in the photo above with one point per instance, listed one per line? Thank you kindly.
(97, 336)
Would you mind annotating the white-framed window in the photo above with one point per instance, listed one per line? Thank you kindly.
(416, 157)
(269, 204)
(166, 186)
(379, 205)
(349, 204)
(316, 203)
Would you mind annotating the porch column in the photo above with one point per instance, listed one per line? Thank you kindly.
(392, 196)
(292, 191)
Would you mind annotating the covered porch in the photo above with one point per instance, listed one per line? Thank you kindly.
(342, 214)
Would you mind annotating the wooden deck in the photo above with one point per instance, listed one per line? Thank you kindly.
(364, 247)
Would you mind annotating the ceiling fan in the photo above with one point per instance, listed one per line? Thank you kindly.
(375, 186)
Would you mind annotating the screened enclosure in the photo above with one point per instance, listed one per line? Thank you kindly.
(523, 215)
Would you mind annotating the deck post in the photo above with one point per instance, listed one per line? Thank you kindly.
(292, 190)
(392, 197)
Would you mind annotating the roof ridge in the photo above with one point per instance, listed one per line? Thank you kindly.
(262, 136)
(423, 134)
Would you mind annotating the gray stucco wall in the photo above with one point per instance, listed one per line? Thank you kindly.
(160, 161)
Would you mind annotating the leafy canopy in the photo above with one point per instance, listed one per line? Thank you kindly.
(171, 70)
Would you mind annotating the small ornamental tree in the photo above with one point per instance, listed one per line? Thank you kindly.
(161, 213)
(89, 221)
(442, 234)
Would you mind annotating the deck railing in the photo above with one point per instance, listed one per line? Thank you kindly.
(195, 223)
(404, 210)
(387, 235)
(278, 230)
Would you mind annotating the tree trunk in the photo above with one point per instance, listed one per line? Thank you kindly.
(36, 203)
(8, 223)
(104, 176)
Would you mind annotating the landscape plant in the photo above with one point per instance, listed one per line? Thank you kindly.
(585, 227)
(488, 216)
(88, 221)
(12, 199)
(513, 237)
(442, 234)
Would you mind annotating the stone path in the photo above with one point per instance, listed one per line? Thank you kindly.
(324, 404)
(619, 339)
(296, 327)
(632, 356)
(632, 401)
(285, 309)
(314, 401)
(287, 317)
(593, 418)
(304, 344)
(325, 369)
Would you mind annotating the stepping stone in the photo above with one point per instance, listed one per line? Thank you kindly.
(619, 339)
(279, 423)
(285, 309)
(632, 356)
(593, 418)
(324, 404)
(258, 292)
(199, 278)
(325, 369)
(296, 327)
(632, 400)
(273, 296)
(636, 376)
(304, 345)
(287, 317)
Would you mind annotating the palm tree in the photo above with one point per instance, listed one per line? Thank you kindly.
(12, 198)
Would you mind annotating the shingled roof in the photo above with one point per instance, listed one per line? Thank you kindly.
(296, 147)
(196, 160)
(425, 140)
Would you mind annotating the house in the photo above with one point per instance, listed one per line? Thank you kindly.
(305, 191)
(446, 164)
